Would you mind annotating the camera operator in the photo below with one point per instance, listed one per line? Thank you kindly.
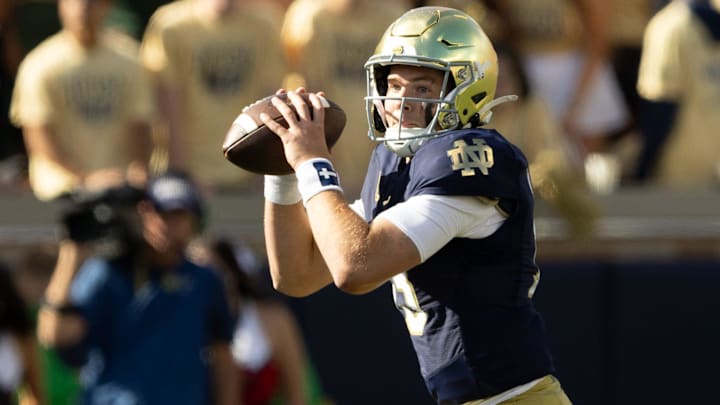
(147, 325)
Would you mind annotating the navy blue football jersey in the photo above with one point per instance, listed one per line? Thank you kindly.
(468, 307)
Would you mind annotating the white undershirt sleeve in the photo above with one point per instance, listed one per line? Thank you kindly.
(431, 221)
(358, 207)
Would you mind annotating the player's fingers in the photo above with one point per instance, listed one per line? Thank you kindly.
(285, 110)
(280, 91)
(272, 125)
(300, 105)
(318, 108)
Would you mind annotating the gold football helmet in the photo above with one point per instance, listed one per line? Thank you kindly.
(439, 38)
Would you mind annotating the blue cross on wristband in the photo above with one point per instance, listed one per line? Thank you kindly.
(315, 176)
(326, 173)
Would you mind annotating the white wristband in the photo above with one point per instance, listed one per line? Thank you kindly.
(282, 190)
(315, 176)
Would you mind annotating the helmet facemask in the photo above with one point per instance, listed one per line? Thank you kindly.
(441, 113)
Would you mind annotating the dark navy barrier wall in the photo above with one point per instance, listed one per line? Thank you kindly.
(622, 332)
(635, 332)
(361, 348)
(573, 300)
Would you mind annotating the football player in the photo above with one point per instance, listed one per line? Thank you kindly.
(450, 199)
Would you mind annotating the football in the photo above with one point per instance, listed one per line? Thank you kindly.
(251, 145)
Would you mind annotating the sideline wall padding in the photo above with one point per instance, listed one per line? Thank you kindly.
(622, 332)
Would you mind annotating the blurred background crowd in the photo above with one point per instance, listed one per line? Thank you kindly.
(614, 95)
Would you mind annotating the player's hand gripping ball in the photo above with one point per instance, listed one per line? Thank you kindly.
(251, 145)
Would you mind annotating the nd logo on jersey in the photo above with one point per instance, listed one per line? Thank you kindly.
(470, 157)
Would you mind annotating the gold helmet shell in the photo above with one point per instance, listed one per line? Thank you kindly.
(439, 38)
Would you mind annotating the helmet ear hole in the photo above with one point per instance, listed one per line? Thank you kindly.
(380, 76)
(378, 122)
(478, 97)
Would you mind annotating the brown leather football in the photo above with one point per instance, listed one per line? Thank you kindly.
(251, 145)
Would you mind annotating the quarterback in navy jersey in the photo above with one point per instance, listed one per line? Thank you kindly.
(450, 198)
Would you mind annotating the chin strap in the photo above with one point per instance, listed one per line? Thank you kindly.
(486, 115)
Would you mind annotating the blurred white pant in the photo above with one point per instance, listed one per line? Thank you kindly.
(553, 77)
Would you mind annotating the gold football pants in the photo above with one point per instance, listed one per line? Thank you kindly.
(546, 392)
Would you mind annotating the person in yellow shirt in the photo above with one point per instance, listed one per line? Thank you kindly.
(209, 59)
(84, 104)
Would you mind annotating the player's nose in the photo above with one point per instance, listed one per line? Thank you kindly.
(408, 105)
